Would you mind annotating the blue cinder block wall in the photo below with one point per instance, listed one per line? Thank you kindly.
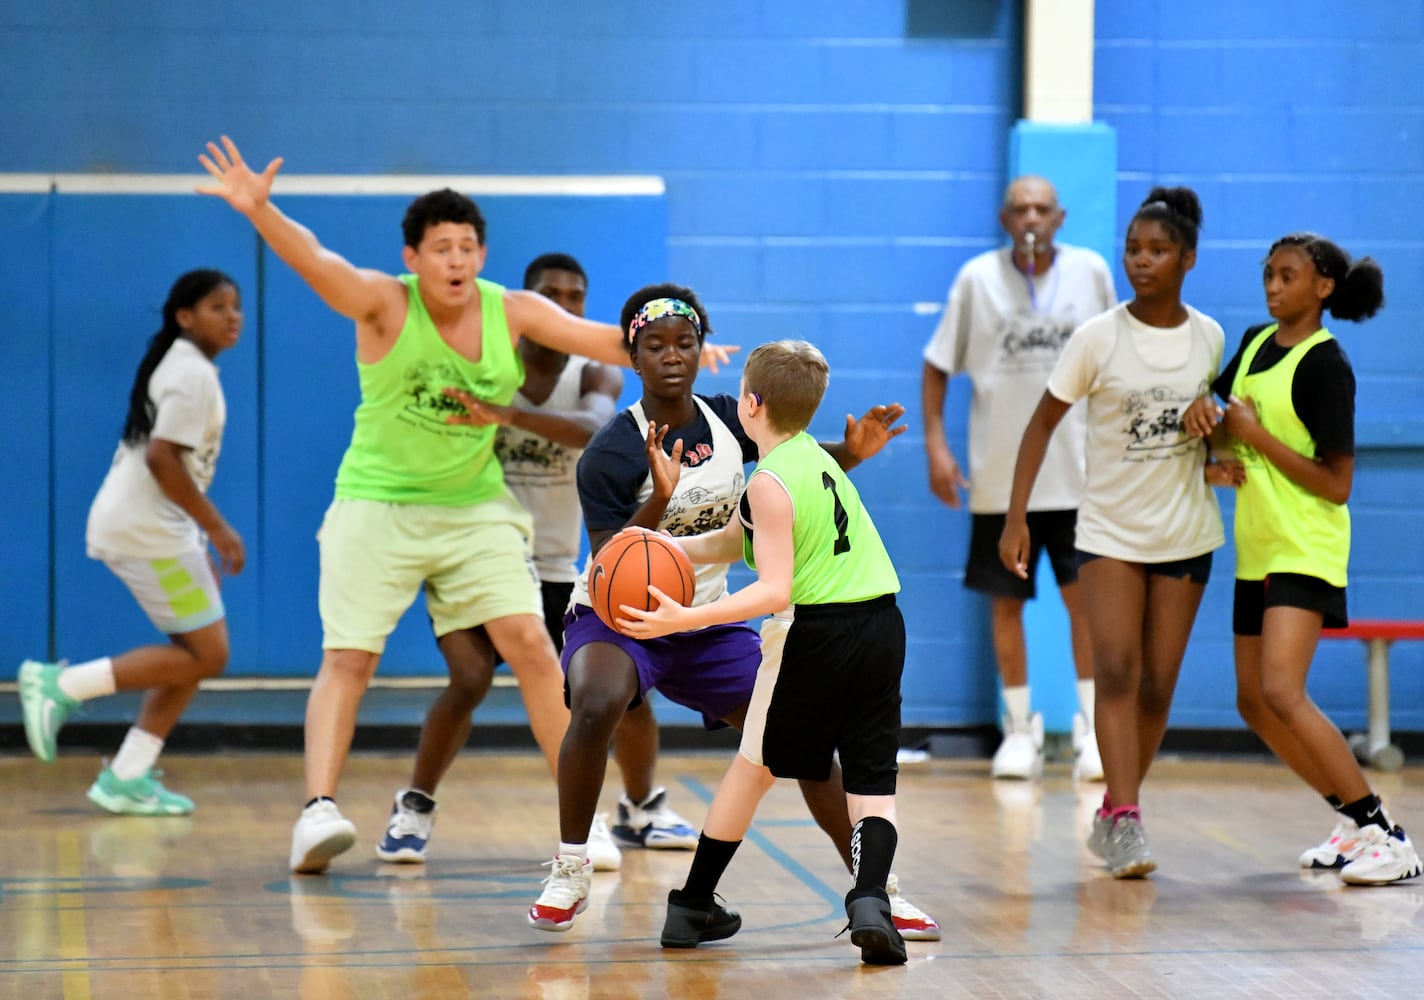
(829, 165)
(1287, 116)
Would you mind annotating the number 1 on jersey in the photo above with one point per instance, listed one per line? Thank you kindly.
(842, 520)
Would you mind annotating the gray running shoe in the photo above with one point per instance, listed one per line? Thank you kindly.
(1126, 851)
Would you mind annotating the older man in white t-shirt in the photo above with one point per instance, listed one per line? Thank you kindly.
(1009, 313)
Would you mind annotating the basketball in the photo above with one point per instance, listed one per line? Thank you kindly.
(628, 563)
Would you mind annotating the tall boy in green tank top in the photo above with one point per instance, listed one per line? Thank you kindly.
(420, 498)
(836, 687)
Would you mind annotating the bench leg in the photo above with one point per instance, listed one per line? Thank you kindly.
(1377, 750)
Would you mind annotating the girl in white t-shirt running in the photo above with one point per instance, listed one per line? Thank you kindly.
(1149, 521)
(150, 524)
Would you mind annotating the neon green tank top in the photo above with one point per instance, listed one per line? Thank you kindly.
(838, 555)
(402, 450)
(1281, 528)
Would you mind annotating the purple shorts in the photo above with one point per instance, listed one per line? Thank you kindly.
(711, 671)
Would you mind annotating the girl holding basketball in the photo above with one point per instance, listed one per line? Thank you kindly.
(1290, 413)
(1149, 521)
(151, 524)
(674, 461)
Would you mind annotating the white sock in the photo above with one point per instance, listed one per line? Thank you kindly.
(573, 850)
(84, 681)
(1016, 705)
(137, 754)
(1087, 693)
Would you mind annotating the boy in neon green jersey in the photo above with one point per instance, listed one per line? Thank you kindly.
(420, 498)
(835, 685)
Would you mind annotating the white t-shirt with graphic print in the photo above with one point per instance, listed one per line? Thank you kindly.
(1006, 333)
(130, 515)
(1146, 498)
(614, 481)
(540, 474)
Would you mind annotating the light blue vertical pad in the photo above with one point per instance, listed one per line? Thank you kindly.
(1081, 161)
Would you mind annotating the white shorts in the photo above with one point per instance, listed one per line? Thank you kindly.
(179, 594)
(773, 641)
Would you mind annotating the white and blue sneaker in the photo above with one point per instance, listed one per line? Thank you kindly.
(652, 824)
(412, 820)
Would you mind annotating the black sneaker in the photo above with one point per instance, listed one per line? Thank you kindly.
(689, 926)
(872, 930)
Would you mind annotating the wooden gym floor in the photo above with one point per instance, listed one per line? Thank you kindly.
(93, 905)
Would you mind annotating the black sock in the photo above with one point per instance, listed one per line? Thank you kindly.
(708, 864)
(417, 801)
(1366, 811)
(872, 852)
(1334, 801)
(319, 798)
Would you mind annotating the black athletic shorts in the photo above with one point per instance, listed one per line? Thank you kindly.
(1047, 529)
(1194, 568)
(1286, 590)
(839, 691)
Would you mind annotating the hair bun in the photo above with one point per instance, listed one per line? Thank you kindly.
(1181, 200)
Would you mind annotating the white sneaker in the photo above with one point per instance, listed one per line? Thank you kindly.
(320, 834)
(1382, 858)
(602, 851)
(1087, 761)
(913, 923)
(565, 893)
(652, 824)
(1336, 850)
(1021, 754)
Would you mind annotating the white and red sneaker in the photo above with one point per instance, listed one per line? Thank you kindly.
(565, 893)
(1336, 850)
(1381, 857)
(913, 923)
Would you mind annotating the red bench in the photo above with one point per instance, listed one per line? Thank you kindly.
(1373, 747)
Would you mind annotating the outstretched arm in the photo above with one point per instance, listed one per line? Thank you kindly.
(359, 293)
(1014, 542)
(865, 437)
(534, 316)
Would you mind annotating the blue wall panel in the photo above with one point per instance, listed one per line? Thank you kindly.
(829, 167)
(115, 258)
(1340, 151)
(25, 359)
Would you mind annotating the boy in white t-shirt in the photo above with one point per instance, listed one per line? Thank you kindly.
(151, 523)
(1009, 313)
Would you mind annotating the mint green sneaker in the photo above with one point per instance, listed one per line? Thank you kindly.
(141, 796)
(45, 706)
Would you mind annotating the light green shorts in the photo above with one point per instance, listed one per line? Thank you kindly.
(179, 594)
(476, 563)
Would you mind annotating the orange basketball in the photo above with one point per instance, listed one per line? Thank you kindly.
(628, 563)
